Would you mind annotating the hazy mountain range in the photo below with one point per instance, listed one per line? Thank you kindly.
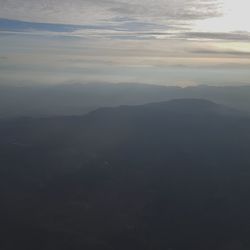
(77, 99)
(167, 175)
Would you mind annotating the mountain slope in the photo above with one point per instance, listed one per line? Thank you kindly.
(78, 99)
(170, 175)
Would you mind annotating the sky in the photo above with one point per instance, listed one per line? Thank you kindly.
(168, 42)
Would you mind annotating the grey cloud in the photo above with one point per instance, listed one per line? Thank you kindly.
(144, 19)
(94, 11)
(214, 65)
(222, 52)
(183, 34)
(234, 36)
(177, 10)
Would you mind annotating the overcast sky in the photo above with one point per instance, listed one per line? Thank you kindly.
(172, 42)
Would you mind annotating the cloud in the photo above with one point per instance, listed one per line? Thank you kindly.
(133, 13)
(82, 11)
(236, 53)
(116, 40)
(3, 57)
(114, 19)
(233, 36)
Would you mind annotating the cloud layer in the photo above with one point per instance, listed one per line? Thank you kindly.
(81, 12)
(118, 19)
(155, 41)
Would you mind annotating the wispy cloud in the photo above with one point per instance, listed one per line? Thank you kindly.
(118, 19)
(154, 41)
(81, 12)
(236, 53)
(230, 36)
(116, 15)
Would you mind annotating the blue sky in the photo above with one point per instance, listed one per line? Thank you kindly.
(171, 42)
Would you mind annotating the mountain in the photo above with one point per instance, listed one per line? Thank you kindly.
(78, 99)
(167, 175)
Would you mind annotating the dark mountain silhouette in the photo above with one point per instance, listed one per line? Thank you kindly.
(78, 99)
(170, 175)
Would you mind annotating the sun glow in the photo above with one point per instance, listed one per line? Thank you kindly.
(234, 17)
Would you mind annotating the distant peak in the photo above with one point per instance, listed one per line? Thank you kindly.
(186, 103)
(192, 100)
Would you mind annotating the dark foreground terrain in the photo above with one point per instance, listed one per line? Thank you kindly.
(171, 175)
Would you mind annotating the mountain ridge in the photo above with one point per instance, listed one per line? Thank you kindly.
(77, 99)
(143, 176)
